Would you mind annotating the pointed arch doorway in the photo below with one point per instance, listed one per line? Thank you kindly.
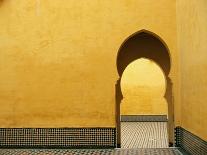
(145, 44)
(143, 107)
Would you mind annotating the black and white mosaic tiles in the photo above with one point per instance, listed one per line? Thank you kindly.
(57, 137)
(189, 142)
(144, 135)
(166, 151)
(143, 118)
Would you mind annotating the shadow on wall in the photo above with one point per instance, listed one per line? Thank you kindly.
(146, 45)
(1, 2)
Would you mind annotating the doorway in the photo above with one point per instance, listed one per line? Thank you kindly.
(148, 45)
(143, 107)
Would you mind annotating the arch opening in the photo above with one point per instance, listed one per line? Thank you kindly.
(144, 44)
(143, 85)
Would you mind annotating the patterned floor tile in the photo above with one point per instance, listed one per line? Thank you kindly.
(167, 151)
(144, 135)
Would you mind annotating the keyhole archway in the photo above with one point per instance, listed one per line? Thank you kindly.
(143, 86)
(145, 44)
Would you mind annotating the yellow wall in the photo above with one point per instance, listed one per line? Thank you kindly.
(192, 39)
(143, 86)
(58, 57)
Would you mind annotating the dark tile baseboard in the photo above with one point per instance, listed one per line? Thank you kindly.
(57, 138)
(143, 118)
(189, 142)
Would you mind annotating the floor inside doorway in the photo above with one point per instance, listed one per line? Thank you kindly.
(144, 135)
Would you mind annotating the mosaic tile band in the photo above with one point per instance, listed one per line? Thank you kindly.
(57, 137)
(190, 142)
(143, 118)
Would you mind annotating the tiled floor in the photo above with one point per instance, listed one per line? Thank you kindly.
(90, 152)
(144, 135)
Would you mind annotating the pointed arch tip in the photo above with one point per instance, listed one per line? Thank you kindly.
(136, 36)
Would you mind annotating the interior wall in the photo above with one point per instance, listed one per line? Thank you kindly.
(192, 32)
(58, 58)
(143, 86)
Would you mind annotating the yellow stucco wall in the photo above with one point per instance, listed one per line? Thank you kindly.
(143, 86)
(58, 58)
(192, 39)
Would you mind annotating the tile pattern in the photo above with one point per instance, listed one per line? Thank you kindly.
(172, 151)
(143, 118)
(57, 137)
(144, 135)
(190, 142)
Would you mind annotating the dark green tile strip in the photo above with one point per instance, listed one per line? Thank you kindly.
(190, 142)
(144, 118)
(57, 137)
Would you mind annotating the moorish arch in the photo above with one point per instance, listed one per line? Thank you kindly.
(145, 44)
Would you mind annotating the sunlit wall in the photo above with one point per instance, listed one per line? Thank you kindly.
(143, 86)
(58, 57)
(192, 39)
